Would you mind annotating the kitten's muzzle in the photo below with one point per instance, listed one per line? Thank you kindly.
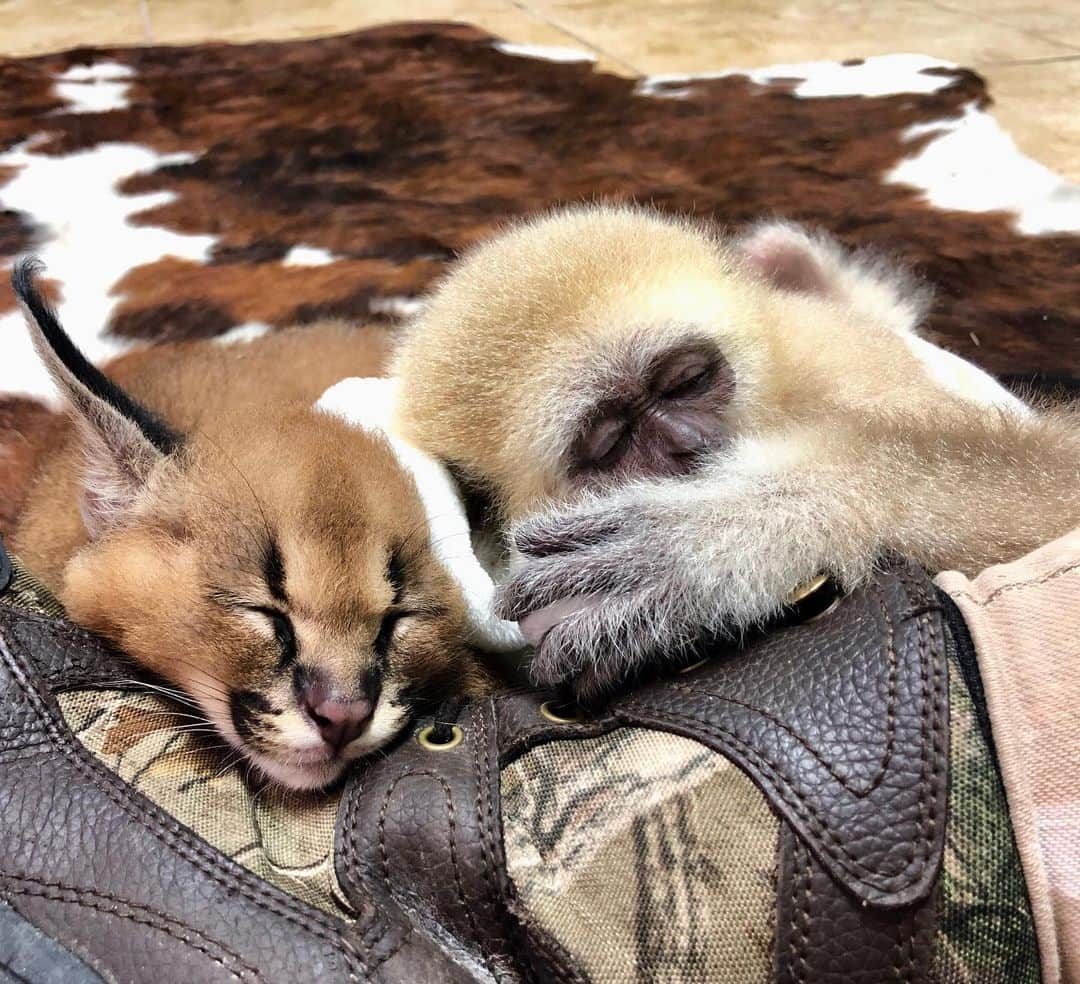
(338, 719)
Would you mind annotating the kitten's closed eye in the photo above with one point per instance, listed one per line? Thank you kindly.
(283, 633)
(387, 627)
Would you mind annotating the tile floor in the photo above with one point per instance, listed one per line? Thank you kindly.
(1029, 50)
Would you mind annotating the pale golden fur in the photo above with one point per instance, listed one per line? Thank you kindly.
(849, 436)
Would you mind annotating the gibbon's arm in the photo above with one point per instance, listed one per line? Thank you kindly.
(636, 575)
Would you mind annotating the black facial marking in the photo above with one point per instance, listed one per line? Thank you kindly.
(395, 574)
(286, 640)
(153, 428)
(274, 570)
(245, 709)
(370, 683)
(302, 678)
(385, 635)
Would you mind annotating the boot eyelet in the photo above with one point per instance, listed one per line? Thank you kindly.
(428, 738)
(832, 606)
(813, 599)
(560, 713)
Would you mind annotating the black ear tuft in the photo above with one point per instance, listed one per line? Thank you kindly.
(153, 428)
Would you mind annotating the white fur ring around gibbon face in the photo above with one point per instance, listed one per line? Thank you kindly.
(369, 405)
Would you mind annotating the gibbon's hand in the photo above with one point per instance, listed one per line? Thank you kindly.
(633, 578)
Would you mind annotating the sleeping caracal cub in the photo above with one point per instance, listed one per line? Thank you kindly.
(267, 558)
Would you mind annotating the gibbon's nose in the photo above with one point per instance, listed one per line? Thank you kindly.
(339, 719)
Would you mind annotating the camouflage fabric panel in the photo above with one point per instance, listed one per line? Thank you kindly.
(985, 931)
(26, 593)
(173, 758)
(647, 856)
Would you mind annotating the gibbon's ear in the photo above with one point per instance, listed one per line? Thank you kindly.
(123, 440)
(795, 259)
(788, 256)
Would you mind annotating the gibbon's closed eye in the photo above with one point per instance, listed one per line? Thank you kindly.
(686, 373)
(693, 381)
(602, 443)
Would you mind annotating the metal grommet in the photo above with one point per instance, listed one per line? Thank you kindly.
(804, 590)
(826, 611)
(692, 666)
(813, 599)
(424, 737)
(554, 711)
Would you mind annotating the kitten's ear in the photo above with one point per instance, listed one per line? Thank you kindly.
(123, 440)
(795, 259)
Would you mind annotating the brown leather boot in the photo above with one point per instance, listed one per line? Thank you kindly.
(780, 812)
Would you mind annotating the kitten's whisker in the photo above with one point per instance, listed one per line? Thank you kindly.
(229, 763)
(175, 714)
(251, 488)
(176, 695)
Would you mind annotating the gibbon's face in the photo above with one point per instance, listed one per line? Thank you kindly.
(564, 356)
(598, 345)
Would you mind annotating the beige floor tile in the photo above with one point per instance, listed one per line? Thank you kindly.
(1057, 20)
(1036, 103)
(33, 27)
(187, 21)
(703, 35)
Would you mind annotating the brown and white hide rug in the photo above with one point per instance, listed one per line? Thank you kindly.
(223, 191)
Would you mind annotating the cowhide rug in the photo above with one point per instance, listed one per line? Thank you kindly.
(218, 190)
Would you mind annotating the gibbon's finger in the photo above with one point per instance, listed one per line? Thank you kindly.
(576, 651)
(605, 570)
(536, 625)
(559, 532)
(599, 649)
(540, 583)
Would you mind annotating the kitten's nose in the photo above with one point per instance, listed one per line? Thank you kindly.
(338, 719)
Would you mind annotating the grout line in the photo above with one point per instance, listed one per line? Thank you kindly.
(1001, 22)
(579, 38)
(1045, 60)
(144, 16)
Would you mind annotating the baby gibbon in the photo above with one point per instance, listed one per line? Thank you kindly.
(678, 428)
